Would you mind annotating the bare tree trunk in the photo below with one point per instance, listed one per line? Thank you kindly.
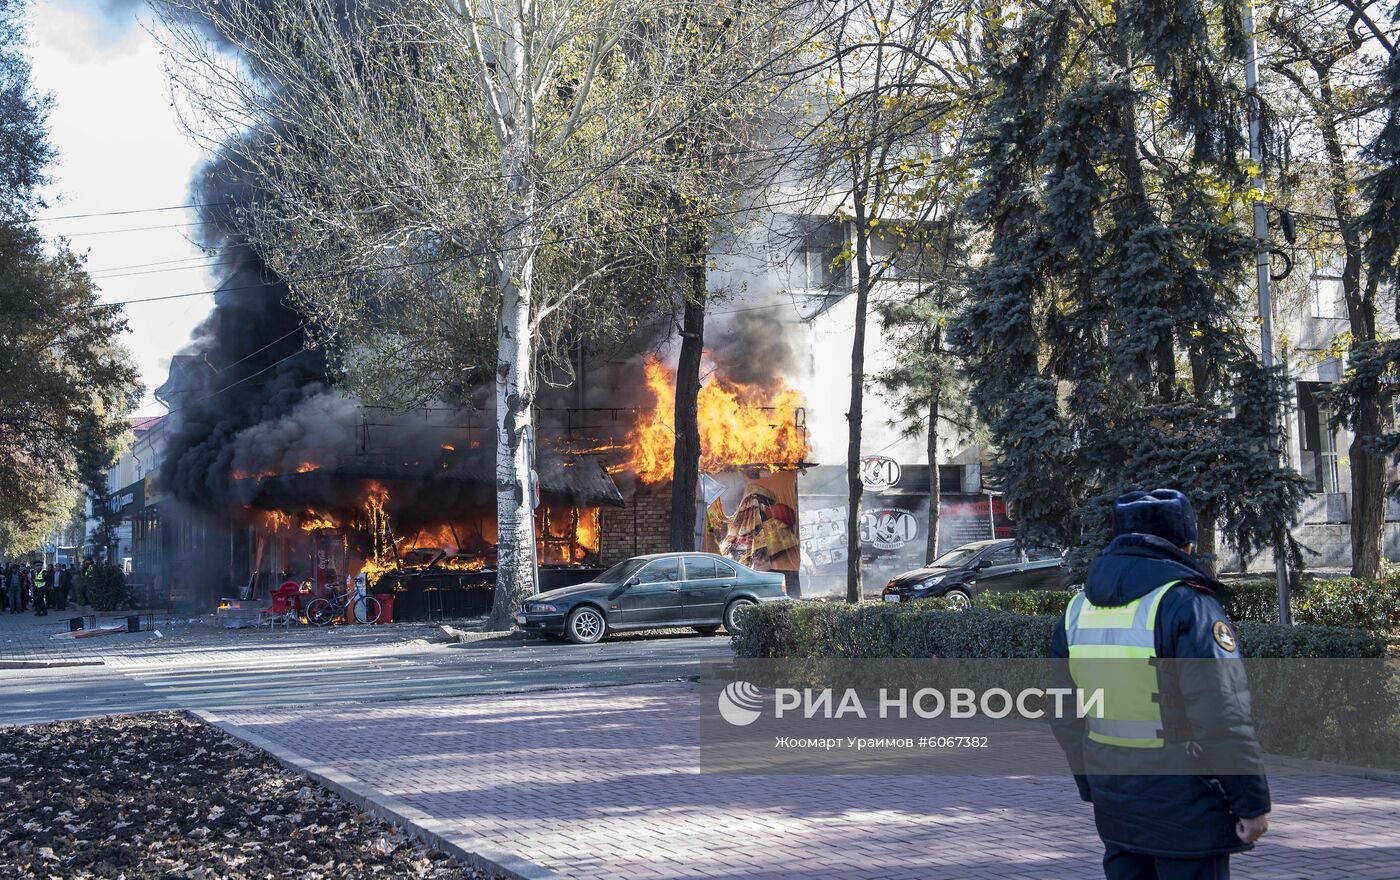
(515, 523)
(515, 520)
(935, 488)
(855, 489)
(687, 446)
(1207, 546)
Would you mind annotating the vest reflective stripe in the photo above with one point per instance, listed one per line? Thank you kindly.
(1132, 717)
(1134, 731)
(1135, 638)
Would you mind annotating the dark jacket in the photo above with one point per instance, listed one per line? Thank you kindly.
(1174, 816)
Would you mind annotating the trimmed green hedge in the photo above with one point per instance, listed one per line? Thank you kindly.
(1051, 602)
(808, 630)
(1331, 711)
(1345, 602)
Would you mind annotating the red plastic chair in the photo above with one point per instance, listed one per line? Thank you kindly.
(286, 606)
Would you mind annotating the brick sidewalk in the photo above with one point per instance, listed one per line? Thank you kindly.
(605, 784)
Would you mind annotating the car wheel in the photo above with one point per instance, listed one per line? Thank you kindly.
(958, 600)
(731, 612)
(585, 625)
(706, 630)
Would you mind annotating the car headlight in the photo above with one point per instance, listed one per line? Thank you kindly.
(933, 581)
(542, 609)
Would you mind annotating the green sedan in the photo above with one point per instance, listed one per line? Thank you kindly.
(698, 590)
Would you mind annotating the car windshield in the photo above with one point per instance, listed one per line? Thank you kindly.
(956, 558)
(620, 572)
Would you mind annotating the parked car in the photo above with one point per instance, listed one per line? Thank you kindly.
(981, 567)
(698, 590)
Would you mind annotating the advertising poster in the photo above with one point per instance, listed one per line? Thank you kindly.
(761, 531)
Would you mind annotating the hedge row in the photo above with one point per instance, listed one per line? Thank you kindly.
(1331, 711)
(1349, 602)
(818, 630)
(1343, 602)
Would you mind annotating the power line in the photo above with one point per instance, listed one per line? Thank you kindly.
(446, 181)
(236, 382)
(206, 262)
(661, 224)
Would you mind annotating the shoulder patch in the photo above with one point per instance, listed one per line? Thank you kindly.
(1225, 636)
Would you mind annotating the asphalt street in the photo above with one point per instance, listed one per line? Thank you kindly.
(259, 682)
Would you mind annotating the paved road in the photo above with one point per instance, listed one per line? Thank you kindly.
(258, 680)
(597, 784)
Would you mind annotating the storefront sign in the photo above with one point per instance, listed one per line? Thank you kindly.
(888, 529)
(879, 472)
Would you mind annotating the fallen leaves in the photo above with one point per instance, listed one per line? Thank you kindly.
(163, 796)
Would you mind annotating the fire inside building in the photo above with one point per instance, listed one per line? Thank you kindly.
(265, 473)
(406, 499)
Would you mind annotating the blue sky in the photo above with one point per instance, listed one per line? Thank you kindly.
(121, 147)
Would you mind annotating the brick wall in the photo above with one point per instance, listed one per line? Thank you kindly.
(643, 526)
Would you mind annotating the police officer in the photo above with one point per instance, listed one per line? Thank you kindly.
(41, 592)
(1147, 598)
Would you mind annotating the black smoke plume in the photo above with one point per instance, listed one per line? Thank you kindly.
(250, 352)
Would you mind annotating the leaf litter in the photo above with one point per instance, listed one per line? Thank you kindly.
(162, 795)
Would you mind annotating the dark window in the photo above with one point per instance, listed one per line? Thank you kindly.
(1320, 443)
(661, 571)
(724, 569)
(1005, 556)
(1041, 554)
(950, 479)
(818, 254)
(700, 567)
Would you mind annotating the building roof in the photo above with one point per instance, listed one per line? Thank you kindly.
(142, 424)
(188, 373)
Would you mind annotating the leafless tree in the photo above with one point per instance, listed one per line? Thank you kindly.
(489, 164)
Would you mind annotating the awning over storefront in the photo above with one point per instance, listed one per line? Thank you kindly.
(578, 480)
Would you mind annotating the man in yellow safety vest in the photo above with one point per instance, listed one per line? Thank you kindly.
(1150, 634)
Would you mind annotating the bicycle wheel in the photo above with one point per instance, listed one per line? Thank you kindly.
(320, 613)
(366, 608)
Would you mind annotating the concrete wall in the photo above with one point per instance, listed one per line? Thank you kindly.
(1326, 546)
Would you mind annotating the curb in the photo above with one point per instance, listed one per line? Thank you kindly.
(6, 663)
(434, 832)
(1310, 767)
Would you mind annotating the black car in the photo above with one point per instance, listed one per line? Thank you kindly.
(981, 567)
(698, 590)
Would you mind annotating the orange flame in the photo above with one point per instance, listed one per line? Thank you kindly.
(739, 425)
(246, 475)
(312, 520)
(307, 467)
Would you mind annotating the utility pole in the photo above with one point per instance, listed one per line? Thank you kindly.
(1261, 264)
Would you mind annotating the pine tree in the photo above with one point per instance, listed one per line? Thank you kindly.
(926, 383)
(1107, 333)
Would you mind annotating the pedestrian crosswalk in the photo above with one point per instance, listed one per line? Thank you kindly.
(302, 684)
(262, 680)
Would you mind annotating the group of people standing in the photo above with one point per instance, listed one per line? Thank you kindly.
(32, 584)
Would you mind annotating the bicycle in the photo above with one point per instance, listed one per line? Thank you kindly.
(346, 606)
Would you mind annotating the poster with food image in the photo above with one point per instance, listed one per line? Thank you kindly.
(761, 531)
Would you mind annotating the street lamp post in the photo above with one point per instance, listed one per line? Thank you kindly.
(1261, 262)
